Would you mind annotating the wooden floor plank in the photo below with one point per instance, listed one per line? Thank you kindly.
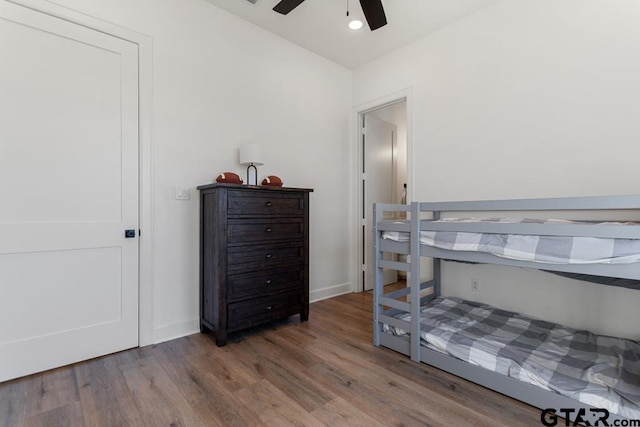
(69, 415)
(51, 390)
(473, 396)
(421, 399)
(106, 399)
(208, 388)
(290, 377)
(274, 407)
(292, 345)
(339, 412)
(379, 406)
(180, 363)
(13, 402)
(157, 397)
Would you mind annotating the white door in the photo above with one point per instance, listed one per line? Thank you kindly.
(378, 177)
(69, 189)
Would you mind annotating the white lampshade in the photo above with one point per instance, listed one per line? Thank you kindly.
(250, 154)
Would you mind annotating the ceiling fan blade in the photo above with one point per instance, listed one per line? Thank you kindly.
(286, 6)
(374, 12)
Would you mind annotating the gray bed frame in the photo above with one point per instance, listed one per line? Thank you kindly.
(421, 216)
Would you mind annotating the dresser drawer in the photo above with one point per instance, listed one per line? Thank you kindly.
(241, 231)
(260, 257)
(264, 282)
(246, 314)
(276, 203)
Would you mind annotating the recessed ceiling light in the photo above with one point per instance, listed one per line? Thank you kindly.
(355, 24)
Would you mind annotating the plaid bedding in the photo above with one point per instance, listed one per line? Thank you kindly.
(600, 371)
(543, 249)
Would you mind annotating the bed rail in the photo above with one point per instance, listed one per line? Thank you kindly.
(627, 231)
(630, 202)
(434, 210)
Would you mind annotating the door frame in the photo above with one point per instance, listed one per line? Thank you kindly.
(359, 111)
(145, 182)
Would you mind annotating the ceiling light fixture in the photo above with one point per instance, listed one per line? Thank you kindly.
(353, 23)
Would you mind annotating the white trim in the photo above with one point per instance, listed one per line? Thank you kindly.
(145, 85)
(190, 327)
(145, 88)
(356, 156)
(176, 330)
(330, 292)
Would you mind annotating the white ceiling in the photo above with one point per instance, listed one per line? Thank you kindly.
(320, 25)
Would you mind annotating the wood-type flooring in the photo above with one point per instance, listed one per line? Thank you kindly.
(324, 372)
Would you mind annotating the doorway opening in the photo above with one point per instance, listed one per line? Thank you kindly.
(383, 168)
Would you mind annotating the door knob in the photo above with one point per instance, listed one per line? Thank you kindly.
(129, 234)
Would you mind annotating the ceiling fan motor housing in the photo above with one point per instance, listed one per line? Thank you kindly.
(373, 11)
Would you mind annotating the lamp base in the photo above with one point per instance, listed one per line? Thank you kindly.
(251, 181)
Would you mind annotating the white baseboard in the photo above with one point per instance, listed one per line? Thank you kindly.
(176, 330)
(330, 292)
(182, 329)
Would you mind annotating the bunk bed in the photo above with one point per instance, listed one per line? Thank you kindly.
(541, 363)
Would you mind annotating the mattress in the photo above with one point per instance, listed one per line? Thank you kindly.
(600, 371)
(543, 249)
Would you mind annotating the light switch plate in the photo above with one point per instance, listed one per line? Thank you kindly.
(183, 193)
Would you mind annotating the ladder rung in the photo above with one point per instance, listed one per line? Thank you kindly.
(394, 265)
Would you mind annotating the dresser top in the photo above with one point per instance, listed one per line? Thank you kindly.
(251, 187)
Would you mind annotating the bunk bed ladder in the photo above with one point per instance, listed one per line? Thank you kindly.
(380, 299)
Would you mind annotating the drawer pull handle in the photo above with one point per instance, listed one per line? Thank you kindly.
(268, 256)
(269, 282)
(268, 230)
(268, 204)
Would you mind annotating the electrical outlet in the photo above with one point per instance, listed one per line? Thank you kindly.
(475, 285)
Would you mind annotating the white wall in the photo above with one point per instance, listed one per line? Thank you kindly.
(219, 82)
(526, 99)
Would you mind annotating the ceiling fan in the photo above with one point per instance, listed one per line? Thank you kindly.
(373, 11)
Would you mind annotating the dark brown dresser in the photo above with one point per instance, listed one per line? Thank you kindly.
(254, 256)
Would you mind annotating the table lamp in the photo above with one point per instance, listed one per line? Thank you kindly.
(251, 157)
